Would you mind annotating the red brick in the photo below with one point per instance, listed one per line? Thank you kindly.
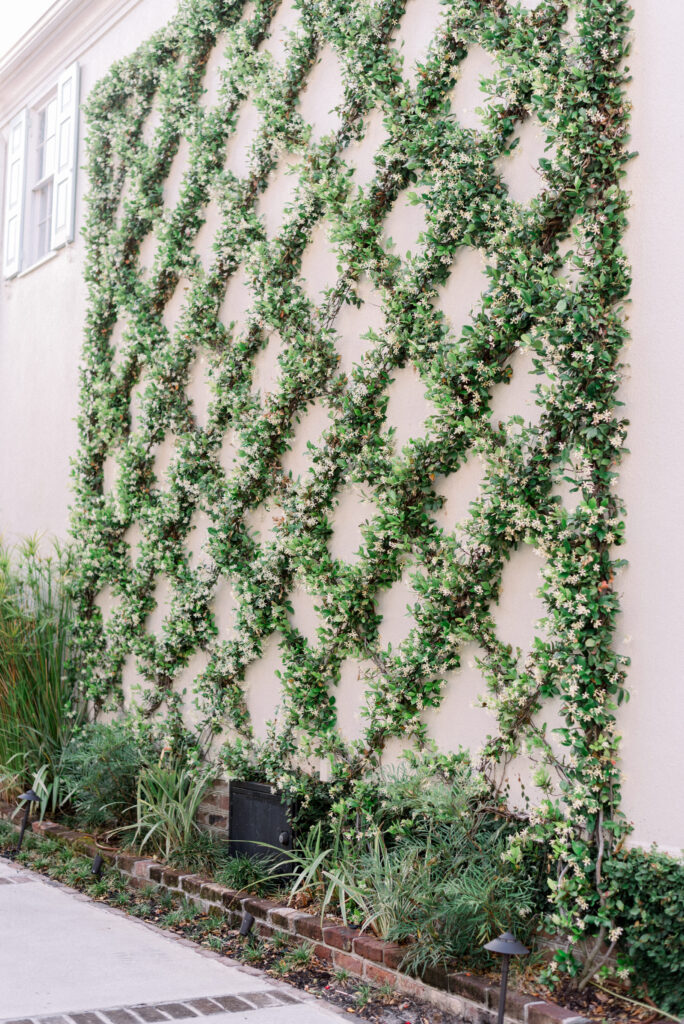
(323, 953)
(471, 986)
(212, 892)
(259, 908)
(214, 819)
(156, 873)
(310, 927)
(369, 948)
(171, 878)
(231, 899)
(264, 930)
(42, 826)
(69, 835)
(347, 962)
(393, 954)
(549, 1013)
(340, 937)
(380, 975)
(85, 844)
(192, 884)
(126, 862)
(515, 1002)
(437, 977)
(284, 917)
(141, 868)
(58, 831)
(137, 883)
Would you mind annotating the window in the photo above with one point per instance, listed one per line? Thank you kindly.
(40, 199)
(42, 147)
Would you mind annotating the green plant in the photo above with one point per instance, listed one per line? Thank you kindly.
(363, 995)
(315, 866)
(201, 852)
(253, 874)
(280, 941)
(101, 765)
(280, 967)
(647, 903)
(53, 787)
(39, 706)
(168, 798)
(573, 331)
(300, 956)
(423, 851)
(253, 950)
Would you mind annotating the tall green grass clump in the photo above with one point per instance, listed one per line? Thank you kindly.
(168, 799)
(39, 708)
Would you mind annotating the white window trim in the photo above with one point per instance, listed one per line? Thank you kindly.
(63, 213)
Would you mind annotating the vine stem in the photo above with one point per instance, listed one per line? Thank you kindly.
(635, 1002)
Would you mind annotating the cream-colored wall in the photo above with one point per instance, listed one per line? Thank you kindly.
(652, 483)
(41, 319)
(42, 312)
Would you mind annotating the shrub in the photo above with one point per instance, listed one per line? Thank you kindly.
(420, 852)
(101, 766)
(648, 904)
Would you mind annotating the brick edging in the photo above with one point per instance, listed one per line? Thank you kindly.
(369, 958)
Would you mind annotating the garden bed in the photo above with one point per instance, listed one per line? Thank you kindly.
(354, 970)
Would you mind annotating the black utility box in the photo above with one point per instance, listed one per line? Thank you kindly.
(256, 816)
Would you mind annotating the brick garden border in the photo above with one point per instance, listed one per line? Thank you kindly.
(368, 958)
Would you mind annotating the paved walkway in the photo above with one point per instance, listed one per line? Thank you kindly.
(65, 959)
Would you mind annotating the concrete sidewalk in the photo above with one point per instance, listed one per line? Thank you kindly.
(65, 959)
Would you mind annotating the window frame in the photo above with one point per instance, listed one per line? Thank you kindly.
(34, 228)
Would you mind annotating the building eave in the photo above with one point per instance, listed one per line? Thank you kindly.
(61, 35)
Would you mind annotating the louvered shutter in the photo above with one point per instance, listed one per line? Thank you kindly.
(64, 189)
(15, 185)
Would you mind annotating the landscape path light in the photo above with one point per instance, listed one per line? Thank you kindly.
(506, 946)
(29, 797)
(247, 924)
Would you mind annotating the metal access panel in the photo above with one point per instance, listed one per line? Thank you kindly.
(257, 816)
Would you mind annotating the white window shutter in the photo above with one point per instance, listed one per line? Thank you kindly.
(15, 184)
(64, 188)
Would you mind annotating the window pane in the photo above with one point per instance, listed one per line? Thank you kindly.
(51, 119)
(49, 156)
(43, 212)
(64, 146)
(49, 137)
(66, 95)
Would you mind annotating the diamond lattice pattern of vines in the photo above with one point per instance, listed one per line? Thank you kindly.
(317, 272)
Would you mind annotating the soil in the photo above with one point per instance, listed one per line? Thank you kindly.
(280, 959)
(605, 1007)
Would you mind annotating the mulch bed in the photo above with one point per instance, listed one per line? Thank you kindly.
(602, 1007)
(278, 959)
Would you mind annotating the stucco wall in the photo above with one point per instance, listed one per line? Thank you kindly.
(41, 317)
(42, 312)
(652, 630)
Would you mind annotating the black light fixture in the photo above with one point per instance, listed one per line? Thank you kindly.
(506, 946)
(247, 924)
(96, 866)
(29, 797)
